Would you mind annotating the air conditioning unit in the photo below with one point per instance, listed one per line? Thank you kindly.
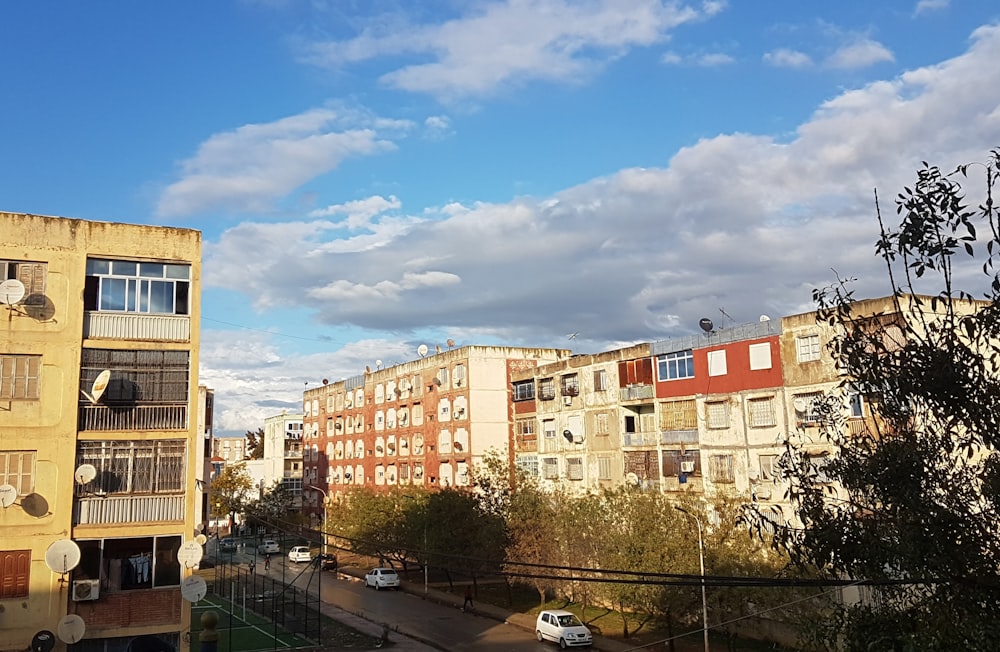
(687, 467)
(85, 590)
(567, 400)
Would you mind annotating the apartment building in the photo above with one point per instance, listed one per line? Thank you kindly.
(426, 422)
(230, 449)
(99, 436)
(283, 455)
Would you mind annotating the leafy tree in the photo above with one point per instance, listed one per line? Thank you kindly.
(255, 444)
(916, 498)
(231, 491)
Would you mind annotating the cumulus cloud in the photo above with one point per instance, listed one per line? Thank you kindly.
(926, 6)
(859, 54)
(786, 58)
(248, 168)
(510, 42)
(707, 60)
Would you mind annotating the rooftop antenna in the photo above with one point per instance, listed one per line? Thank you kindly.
(727, 315)
(572, 336)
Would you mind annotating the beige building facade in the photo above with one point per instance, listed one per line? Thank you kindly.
(99, 435)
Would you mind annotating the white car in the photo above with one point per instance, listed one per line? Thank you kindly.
(382, 578)
(268, 547)
(300, 554)
(563, 627)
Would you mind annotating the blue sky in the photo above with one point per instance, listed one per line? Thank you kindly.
(370, 175)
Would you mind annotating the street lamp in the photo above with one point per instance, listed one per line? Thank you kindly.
(701, 559)
(326, 498)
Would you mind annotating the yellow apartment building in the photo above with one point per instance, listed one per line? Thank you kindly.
(99, 436)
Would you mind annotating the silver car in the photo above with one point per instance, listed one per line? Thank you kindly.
(382, 578)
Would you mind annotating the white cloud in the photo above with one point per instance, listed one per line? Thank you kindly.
(926, 6)
(859, 54)
(707, 60)
(786, 58)
(249, 168)
(512, 41)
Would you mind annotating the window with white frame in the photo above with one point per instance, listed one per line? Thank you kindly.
(760, 356)
(603, 468)
(17, 468)
(717, 414)
(525, 430)
(32, 277)
(549, 428)
(550, 468)
(602, 424)
(676, 365)
(600, 380)
(528, 464)
(19, 377)
(769, 467)
(569, 385)
(807, 348)
(140, 287)
(761, 412)
(458, 375)
(574, 468)
(524, 390)
(717, 363)
(720, 468)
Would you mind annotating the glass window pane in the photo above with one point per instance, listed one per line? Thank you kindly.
(123, 268)
(98, 266)
(151, 270)
(161, 297)
(113, 294)
(131, 296)
(178, 271)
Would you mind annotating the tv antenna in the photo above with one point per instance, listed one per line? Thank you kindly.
(572, 336)
(727, 315)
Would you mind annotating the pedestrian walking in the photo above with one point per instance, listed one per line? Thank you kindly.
(467, 605)
(267, 562)
(252, 566)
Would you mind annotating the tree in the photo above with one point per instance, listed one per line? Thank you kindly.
(230, 491)
(915, 502)
(255, 444)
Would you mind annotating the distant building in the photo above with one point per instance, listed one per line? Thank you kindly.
(230, 449)
(100, 442)
(283, 446)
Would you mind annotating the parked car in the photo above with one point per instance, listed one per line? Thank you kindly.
(268, 547)
(228, 544)
(382, 578)
(300, 554)
(563, 627)
(328, 562)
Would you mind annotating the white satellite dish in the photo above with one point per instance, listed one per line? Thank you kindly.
(422, 350)
(378, 364)
(97, 389)
(11, 291)
(632, 478)
(800, 405)
(62, 556)
(85, 474)
(190, 554)
(71, 629)
(765, 318)
(201, 539)
(194, 588)
(8, 494)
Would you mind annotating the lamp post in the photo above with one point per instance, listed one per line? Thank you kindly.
(326, 497)
(701, 560)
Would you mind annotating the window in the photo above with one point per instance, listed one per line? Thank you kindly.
(550, 468)
(15, 573)
(602, 422)
(574, 468)
(717, 363)
(127, 564)
(857, 404)
(143, 377)
(546, 389)
(441, 380)
(133, 467)
(807, 348)
(569, 385)
(807, 408)
(600, 380)
(524, 390)
(458, 376)
(528, 464)
(761, 412)
(549, 428)
(676, 462)
(673, 366)
(525, 430)
(603, 468)
(142, 287)
(720, 468)
(32, 276)
(819, 463)
(679, 415)
(769, 467)
(19, 377)
(717, 414)
(17, 468)
(760, 356)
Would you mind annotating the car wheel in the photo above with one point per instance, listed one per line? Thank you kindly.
(377, 588)
(538, 635)
(562, 643)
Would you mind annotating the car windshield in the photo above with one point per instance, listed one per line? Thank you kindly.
(569, 621)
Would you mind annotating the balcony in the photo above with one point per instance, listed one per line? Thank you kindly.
(679, 436)
(640, 438)
(109, 510)
(134, 417)
(133, 326)
(635, 392)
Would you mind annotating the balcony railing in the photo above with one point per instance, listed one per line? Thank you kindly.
(679, 436)
(136, 417)
(640, 438)
(636, 392)
(93, 510)
(133, 326)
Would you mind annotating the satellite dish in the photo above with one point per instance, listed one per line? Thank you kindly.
(800, 405)
(437, 347)
(450, 343)
(368, 369)
(190, 554)
(201, 539)
(326, 382)
(85, 474)
(194, 588)
(422, 350)
(62, 556)
(378, 364)
(11, 291)
(8, 494)
(706, 324)
(71, 629)
(632, 478)
(97, 389)
(35, 505)
(43, 641)
(765, 318)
